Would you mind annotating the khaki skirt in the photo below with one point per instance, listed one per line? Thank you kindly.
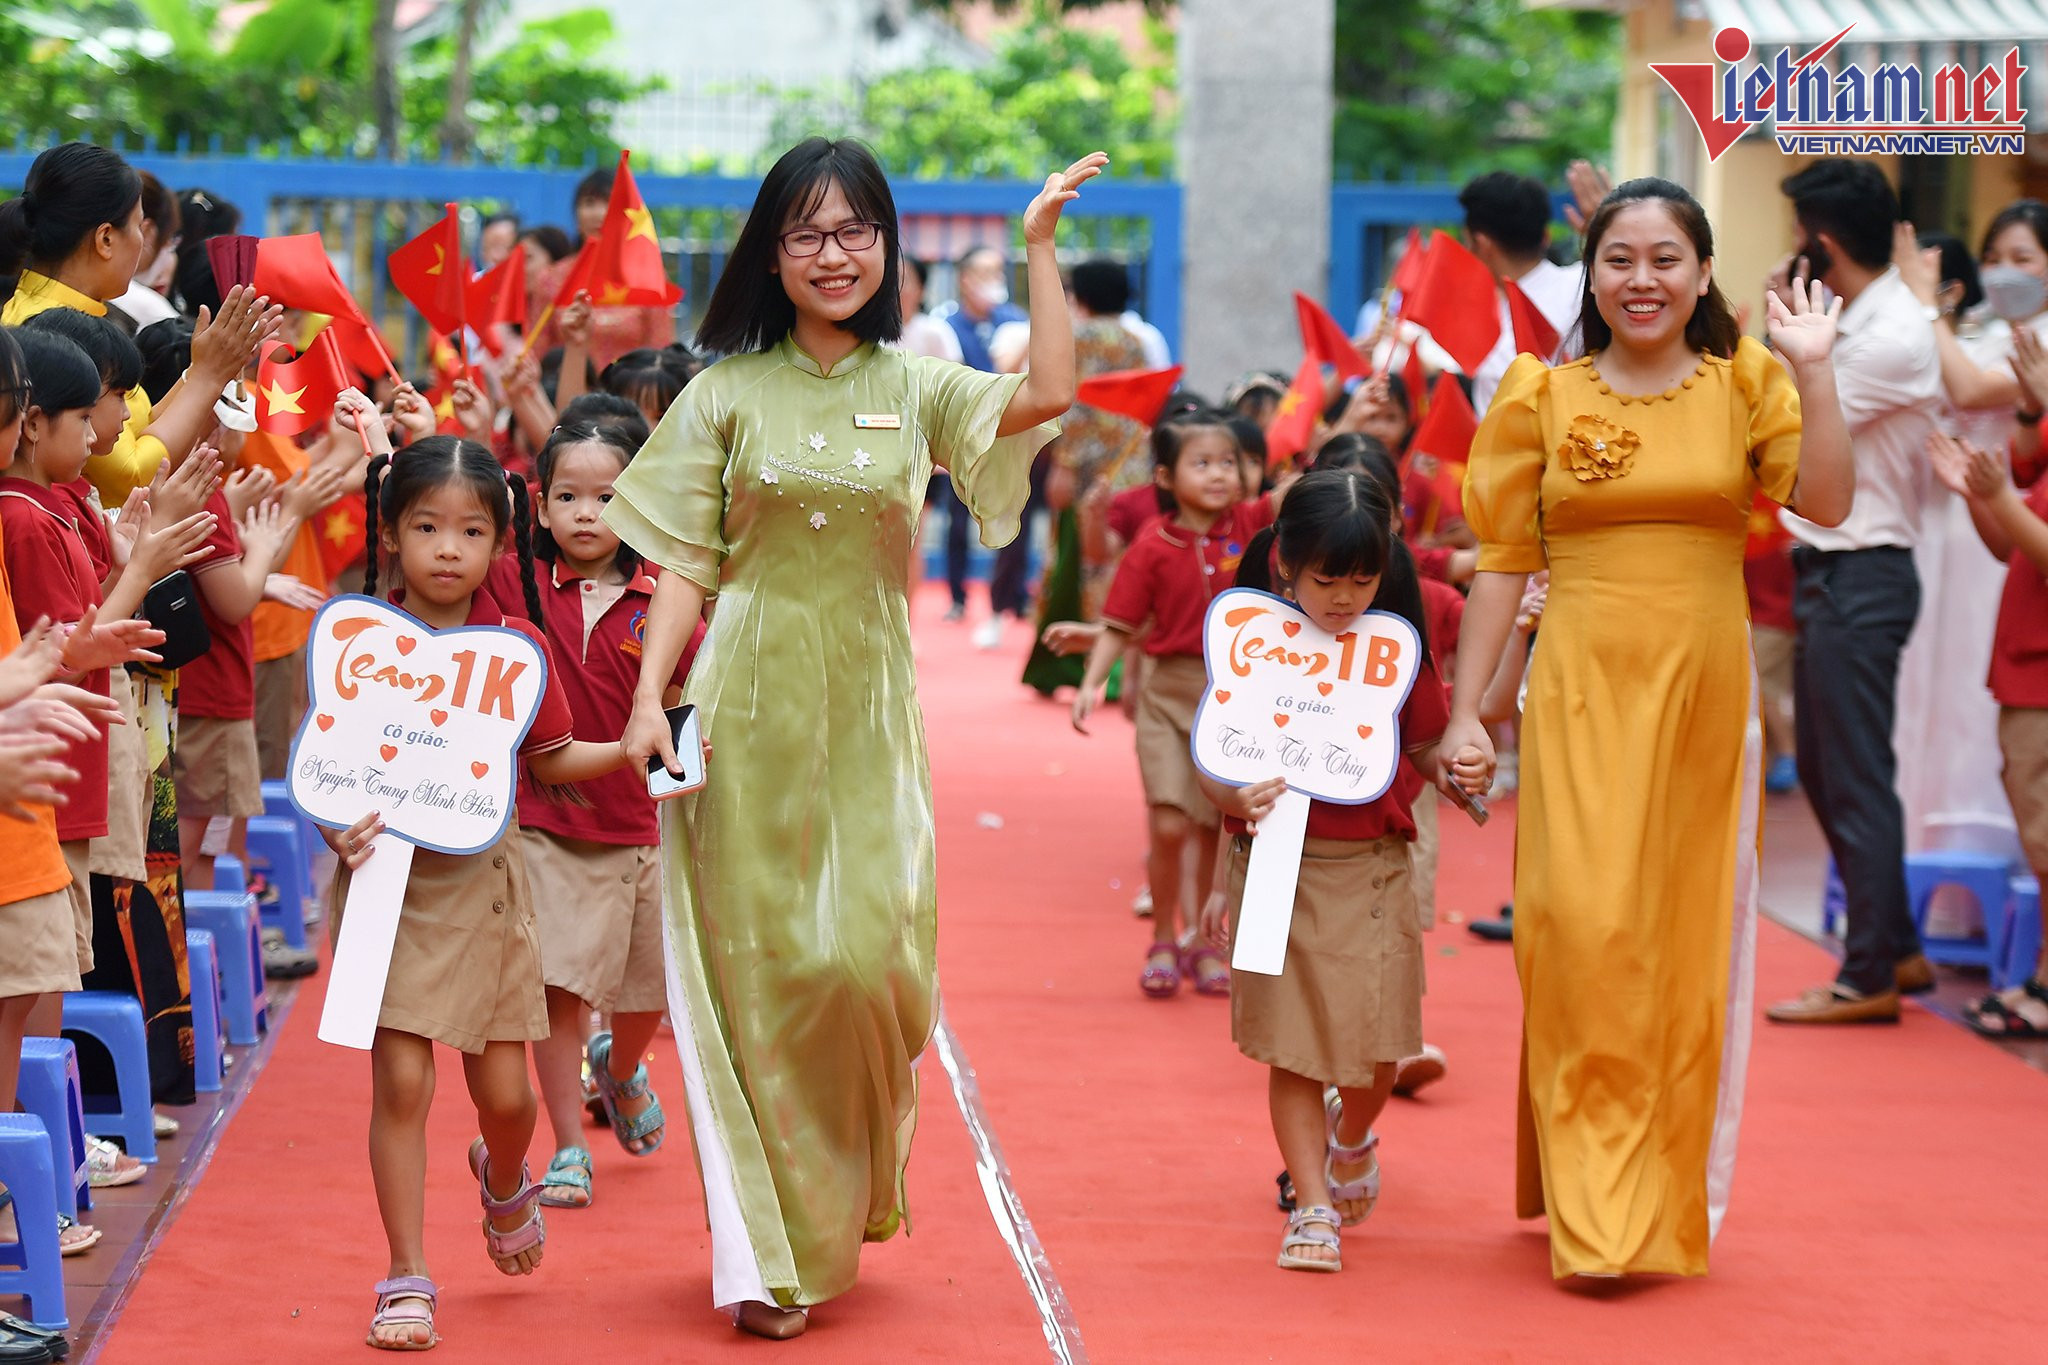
(1350, 996)
(1166, 724)
(465, 969)
(599, 911)
(40, 943)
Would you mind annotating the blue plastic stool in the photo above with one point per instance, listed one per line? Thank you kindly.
(1834, 902)
(277, 846)
(228, 875)
(114, 1020)
(49, 1089)
(32, 1266)
(1986, 876)
(2022, 936)
(207, 1054)
(277, 800)
(238, 950)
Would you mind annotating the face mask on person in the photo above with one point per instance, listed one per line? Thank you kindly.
(991, 295)
(2014, 294)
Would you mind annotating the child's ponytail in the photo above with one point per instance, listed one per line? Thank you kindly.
(372, 491)
(1255, 570)
(1339, 522)
(522, 541)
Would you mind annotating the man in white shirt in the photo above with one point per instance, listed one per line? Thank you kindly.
(1858, 592)
(1507, 226)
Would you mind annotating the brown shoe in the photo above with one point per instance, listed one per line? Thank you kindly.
(1837, 1004)
(1914, 975)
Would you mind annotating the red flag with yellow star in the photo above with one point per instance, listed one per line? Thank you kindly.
(430, 271)
(1294, 423)
(498, 296)
(341, 527)
(1767, 534)
(1137, 394)
(298, 394)
(627, 268)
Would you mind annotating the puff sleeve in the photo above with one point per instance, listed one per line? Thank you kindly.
(1774, 424)
(958, 410)
(669, 503)
(1504, 478)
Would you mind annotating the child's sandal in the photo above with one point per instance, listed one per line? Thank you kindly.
(611, 1090)
(566, 1182)
(505, 1248)
(1161, 977)
(398, 1305)
(1366, 1187)
(1298, 1236)
(1210, 972)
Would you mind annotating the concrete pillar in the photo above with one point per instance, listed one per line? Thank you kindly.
(1256, 109)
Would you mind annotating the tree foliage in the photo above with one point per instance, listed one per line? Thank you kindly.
(297, 76)
(1048, 91)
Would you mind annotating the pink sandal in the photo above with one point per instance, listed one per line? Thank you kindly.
(1161, 977)
(506, 1247)
(1211, 973)
(398, 1305)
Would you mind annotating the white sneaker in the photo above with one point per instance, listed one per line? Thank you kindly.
(989, 634)
(1141, 906)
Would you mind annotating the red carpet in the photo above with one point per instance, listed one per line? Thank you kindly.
(1886, 1201)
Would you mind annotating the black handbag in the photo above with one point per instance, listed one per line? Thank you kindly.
(172, 606)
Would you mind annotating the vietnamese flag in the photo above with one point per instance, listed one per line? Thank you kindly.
(1767, 534)
(628, 269)
(1413, 380)
(1323, 339)
(1446, 436)
(298, 394)
(497, 296)
(1408, 270)
(1294, 422)
(1137, 394)
(296, 272)
(578, 278)
(431, 272)
(362, 346)
(341, 529)
(1455, 300)
(1533, 332)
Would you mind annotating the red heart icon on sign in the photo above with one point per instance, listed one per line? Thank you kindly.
(1222, 697)
(390, 751)
(1323, 688)
(324, 722)
(479, 768)
(1281, 720)
(1365, 732)
(1291, 627)
(439, 717)
(405, 644)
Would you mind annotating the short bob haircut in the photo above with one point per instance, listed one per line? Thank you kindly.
(750, 310)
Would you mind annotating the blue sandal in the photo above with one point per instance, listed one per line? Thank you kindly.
(611, 1090)
(570, 1170)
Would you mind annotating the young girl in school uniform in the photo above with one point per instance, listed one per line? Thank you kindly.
(596, 868)
(1322, 1022)
(439, 511)
(1162, 590)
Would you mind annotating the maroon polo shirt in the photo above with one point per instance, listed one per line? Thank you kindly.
(2019, 650)
(1170, 575)
(221, 683)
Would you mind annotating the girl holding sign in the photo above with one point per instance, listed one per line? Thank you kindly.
(442, 509)
(1629, 474)
(1348, 1008)
(786, 482)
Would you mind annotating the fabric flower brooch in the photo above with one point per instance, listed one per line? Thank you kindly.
(1596, 448)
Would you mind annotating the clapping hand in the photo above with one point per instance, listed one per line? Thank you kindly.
(31, 663)
(224, 343)
(2030, 363)
(94, 644)
(1804, 331)
(246, 488)
(31, 768)
(1968, 471)
(1042, 217)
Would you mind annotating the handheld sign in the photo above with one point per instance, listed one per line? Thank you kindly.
(423, 726)
(1287, 699)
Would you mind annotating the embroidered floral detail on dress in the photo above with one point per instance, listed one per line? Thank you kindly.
(817, 521)
(770, 476)
(1597, 448)
(816, 441)
(861, 459)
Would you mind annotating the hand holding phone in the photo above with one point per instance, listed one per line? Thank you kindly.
(689, 745)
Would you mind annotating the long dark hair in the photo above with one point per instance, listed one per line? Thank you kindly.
(1339, 522)
(651, 379)
(71, 191)
(1712, 327)
(61, 376)
(107, 346)
(15, 391)
(615, 437)
(750, 310)
(202, 215)
(396, 482)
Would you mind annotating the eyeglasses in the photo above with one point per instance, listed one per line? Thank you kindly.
(850, 236)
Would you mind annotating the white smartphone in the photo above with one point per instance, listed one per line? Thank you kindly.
(682, 727)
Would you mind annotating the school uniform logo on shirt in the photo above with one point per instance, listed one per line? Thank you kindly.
(636, 634)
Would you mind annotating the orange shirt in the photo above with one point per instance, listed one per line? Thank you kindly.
(31, 862)
(283, 630)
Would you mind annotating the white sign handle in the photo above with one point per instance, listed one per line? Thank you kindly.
(1269, 880)
(362, 955)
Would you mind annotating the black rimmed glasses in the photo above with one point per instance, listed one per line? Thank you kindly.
(850, 236)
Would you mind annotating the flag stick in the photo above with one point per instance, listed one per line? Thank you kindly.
(533, 333)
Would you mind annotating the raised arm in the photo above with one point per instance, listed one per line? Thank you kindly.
(1804, 334)
(1048, 387)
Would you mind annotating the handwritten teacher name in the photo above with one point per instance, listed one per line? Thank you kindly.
(330, 776)
(1375, 664)
(363, 659)
(1299, 756)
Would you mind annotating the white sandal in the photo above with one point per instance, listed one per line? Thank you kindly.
(1367, 1186)
(1299, 1236)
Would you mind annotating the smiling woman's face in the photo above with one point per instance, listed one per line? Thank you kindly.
(835, 283)
(1647, 276)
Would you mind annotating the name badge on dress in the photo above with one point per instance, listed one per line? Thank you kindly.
(877, 421)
